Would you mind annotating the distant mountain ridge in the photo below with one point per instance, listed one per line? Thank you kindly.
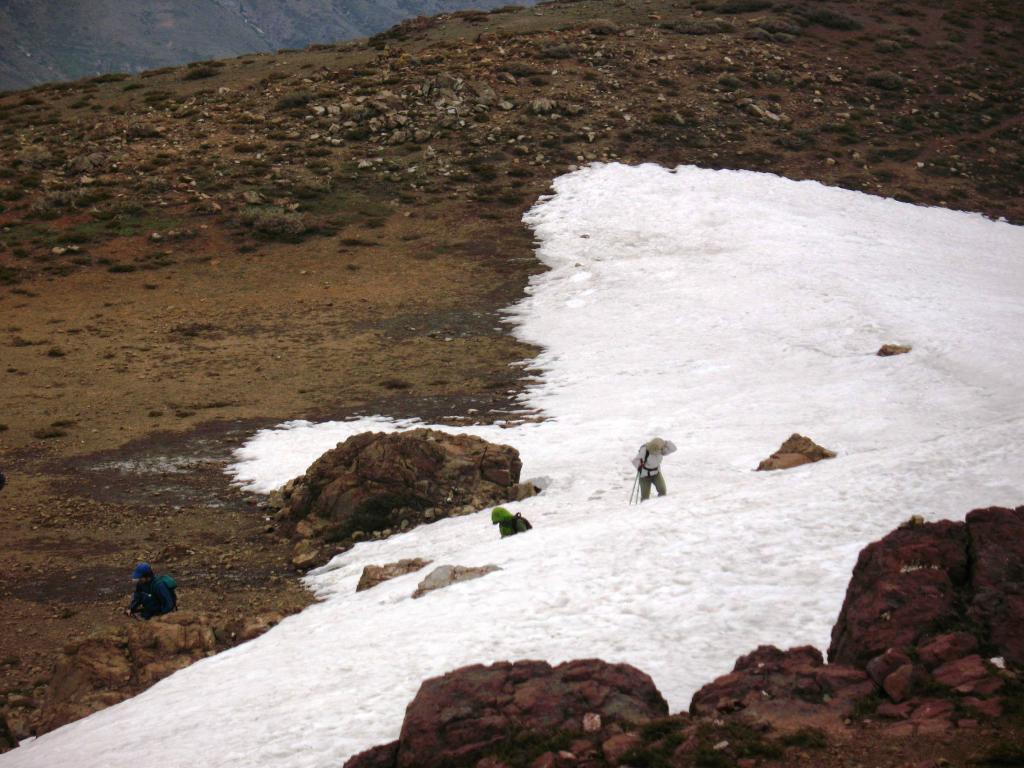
(47, 40)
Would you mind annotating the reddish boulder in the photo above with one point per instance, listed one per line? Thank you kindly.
(898, 684)
(996, 537)
(770, 684)
(375, 482)
(880, 667)
(922, 576)
(948, 647)
(901, 587)
(461, 717)
(967, 675)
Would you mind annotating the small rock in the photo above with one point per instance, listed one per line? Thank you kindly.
(446, 575)
(615, 748)
(376, 574)
(888, 350)
(542, 106)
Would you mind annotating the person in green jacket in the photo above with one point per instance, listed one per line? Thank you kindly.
(509, 524)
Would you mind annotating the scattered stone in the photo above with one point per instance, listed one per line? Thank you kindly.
(306, 554)
(376, 574)
(446, 575)
(885, 80)
(542, 106)
(794, 452)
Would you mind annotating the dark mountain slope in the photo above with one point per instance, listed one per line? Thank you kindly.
(47, 40)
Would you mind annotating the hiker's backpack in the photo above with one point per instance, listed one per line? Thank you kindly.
(172, 586)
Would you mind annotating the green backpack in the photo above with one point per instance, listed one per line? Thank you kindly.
(172, 586)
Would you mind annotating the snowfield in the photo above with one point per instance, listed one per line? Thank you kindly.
(723, 310)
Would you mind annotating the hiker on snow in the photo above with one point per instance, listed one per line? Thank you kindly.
(154, 595)
(647, 463)
(509, 524)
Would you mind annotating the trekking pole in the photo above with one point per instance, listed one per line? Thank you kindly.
(636, 481)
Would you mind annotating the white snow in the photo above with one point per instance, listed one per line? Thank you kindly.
(723, 310)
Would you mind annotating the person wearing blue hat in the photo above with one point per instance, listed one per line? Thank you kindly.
(154, 595)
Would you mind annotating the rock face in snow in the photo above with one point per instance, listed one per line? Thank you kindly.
(110, 667)
(888, 350)
(376, 574)
(376, 483)
(463, 716)
(446, 575)
(797, 450)
(953, 576)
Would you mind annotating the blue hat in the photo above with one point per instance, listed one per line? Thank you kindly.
(141, 570)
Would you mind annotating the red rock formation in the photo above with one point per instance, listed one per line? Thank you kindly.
(456, 719)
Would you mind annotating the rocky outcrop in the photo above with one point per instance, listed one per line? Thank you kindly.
(474, 712)
(375, 484)
(888, 350)
(796, 451)
(110, 667)
(781, 687)
(902, 586)
(376, 574)
(925, 581)
(446, 575)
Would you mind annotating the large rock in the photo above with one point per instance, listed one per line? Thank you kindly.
(901, 587)
(794, 452)
(472, 713)
(446, 575)
(376, 574)
(376, 482)
(946, 587)
(112, 666)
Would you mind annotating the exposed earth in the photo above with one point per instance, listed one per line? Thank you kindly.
(190, 254)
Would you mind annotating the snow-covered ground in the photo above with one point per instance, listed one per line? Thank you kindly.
(723, 310)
